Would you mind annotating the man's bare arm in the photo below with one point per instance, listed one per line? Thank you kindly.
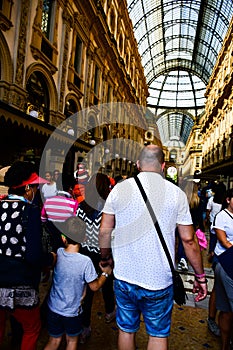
(191, 247)
(106, 227)
(193, 253)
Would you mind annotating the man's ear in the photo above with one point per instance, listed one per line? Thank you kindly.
(163, 166)
(138, 164)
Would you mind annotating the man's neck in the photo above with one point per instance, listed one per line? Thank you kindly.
(150, 170)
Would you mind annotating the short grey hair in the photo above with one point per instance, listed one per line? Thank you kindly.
(151, 155)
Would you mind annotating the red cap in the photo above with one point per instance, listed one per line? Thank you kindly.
(34, 179)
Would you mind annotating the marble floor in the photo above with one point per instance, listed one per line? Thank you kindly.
(189, 324)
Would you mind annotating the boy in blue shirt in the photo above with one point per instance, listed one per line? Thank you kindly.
(72, 272)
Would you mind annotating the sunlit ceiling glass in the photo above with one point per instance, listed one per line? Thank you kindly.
(179, 42)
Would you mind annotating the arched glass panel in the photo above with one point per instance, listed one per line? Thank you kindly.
(179, 42)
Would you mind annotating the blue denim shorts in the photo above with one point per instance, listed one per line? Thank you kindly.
(59, 325)
(155, 306)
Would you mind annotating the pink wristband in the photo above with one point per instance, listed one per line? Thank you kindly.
(202, 275)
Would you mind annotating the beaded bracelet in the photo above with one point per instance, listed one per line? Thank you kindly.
(201, 282)
(200, 275)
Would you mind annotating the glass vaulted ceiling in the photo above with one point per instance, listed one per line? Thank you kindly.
(179, 42)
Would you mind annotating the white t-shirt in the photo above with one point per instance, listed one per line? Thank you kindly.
(137, 251)
(223, 221)
(49, 190)
(213, 207)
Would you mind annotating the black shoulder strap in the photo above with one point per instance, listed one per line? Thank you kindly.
(228, 213)
(155, 222)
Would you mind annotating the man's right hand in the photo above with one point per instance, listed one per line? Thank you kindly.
(201, 288)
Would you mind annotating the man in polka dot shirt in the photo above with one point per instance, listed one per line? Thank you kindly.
(143, 278)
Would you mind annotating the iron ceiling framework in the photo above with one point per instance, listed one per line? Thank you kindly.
(179, 42)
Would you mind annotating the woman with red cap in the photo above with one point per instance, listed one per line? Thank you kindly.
(21, 252)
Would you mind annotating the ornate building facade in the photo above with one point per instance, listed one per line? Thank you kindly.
(209, 148)
(71, 72)
(216, 125)
(192, 154)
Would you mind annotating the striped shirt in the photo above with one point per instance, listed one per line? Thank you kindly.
(58, 208)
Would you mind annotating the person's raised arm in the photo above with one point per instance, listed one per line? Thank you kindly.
(193, 253)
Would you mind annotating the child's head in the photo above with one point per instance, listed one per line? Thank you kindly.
(74, 230)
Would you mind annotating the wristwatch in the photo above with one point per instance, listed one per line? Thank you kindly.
(104, 274)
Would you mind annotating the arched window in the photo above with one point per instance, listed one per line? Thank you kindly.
(91, 126)
(70, 109)
(121, 43)
(112, 21)
(78, 55)
(127, 61)
(5, 14)
(105, 134)
(38, 97)
(173, 155)
(46, 17)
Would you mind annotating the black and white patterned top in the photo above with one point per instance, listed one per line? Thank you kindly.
(13, 241)
(92, 229)
(12, 236)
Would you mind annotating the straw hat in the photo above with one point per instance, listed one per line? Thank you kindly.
(3, 172)
(3, 189)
